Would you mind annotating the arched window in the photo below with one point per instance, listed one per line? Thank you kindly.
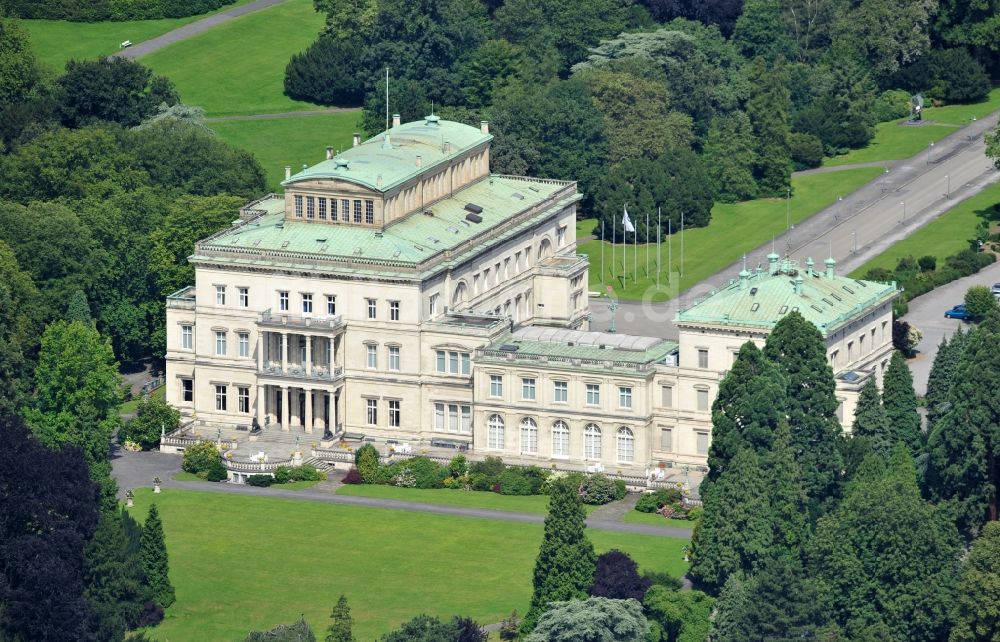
(591, 442)
(529, 436)
(560, 439)
(544, 249)
(460, 295)
(626, 445)
(495, 437)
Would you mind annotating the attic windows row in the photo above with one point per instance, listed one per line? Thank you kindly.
(333, 209)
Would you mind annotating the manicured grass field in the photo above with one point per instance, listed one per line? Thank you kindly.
(242, 562)
(894, 141)
(635, 517)
(734, 229)
(537, 504)
(185, 476)
(277, 142)
(56, 41)
(297, 485)
(238, 67)
(942, 237)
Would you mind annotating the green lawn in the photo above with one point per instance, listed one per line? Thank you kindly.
(946, 235)
(238, 67)
(56, 41)
(277, 142)
(538, 504)
(243, 562)
(185, 476)
(130, 406)
(734, 229)
(635, 517)
(894, 141)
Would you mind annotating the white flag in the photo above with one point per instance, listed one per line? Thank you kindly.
(627, 222)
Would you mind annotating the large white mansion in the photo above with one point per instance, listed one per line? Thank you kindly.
(400, 291)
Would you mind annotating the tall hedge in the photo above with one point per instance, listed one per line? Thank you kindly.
(108, 10)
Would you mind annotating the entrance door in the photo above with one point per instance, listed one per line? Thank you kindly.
(326, 411)
(278, 414)
(302, 409)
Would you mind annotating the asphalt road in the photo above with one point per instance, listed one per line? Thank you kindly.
(926, 313)
(854, 230)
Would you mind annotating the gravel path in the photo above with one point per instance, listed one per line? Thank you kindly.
(193, 29)
(284, 114)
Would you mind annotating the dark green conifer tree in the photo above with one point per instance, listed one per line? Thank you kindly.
(113, 578)
(153, 553)
(564, 569)
(789, 513)
(942, 374)
(340, 629)
(870, 421)
(768, 108)
(798, 349)
(900, 403)
(977, 609)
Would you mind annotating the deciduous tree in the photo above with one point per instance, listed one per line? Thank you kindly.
(678, 616)
(595, 619)
(617, 577)
(113, 89)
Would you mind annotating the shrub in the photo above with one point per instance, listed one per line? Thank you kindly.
(457, 466)
(152, 415)
(927, 263)
(695, 512)
(198, 457)
(484, 475)
(891, 105)
(950, 75)
(513, 481)
(599, 489)
(979, 301)
(404, 479)
(305, 472)
(652, 502)
(216, 472)
(366, 459)
(328, 73)
(282, 474)
(151, 614)
(426, 472)
(659, 578)
(806, 150)
(262, 481)
(353, 476)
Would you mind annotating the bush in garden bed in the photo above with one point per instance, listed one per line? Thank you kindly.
(652, 502)
(600, 489)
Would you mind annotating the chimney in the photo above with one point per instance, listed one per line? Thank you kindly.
(419, 161)
(357, 139)
(830, 268)
(288, 172)
(484, 126)
(395, 120)
(798, 284)
(447, 146)
(809, 266)
(744, 279)
(772, 263)
(329, 153)
(378, 181)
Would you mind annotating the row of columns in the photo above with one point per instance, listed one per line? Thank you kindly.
(263, 397)
(284, 352)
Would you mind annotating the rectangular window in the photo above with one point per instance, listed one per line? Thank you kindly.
(372, 308)
(593, 394)
(702, 399)
(371, 406)
(667, 439)
(496, 385)
(466, 363)
(244, 297)
(702, 357)
(345, 210)
(220, 295)
(283, 301)
(433, 306)
(560, 392)
(298, 206)
(528, 389)
(441, 361)
(394, 310)
(220, 397)
(357, 211)
(244, 344)
(220, 342)
(310, 207)
(331, 305)
(453, 362)
(372, 356)
(370, 212)
(394, 358)
(561, 236)
(307, 304)
(466, 419)
(187, 337)
(333, 209)
(187, 390)
(667, 396)
(439, 416)
(394, 413)
(624, 397)
(243, 398)
(702, 442)
(453, 417)
(850, 351)
(322, 208)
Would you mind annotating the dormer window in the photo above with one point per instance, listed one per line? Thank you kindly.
(298, 206)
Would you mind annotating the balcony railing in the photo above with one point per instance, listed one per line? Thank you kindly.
(295, 371)
(282, 320)
(182, 299)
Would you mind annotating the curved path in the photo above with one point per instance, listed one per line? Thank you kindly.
(193, 29)
(135, 470)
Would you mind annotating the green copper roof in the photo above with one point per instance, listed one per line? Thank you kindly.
(558, 345)
(405, 244)
(393, 155)
(762, 299)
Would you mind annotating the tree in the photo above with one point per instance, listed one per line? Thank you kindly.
(492, 66)
(78, 308)
(564, 569)
(19, 71)
(425, 628)
(950, 75)
(964, 466)
(199, 457)
(900, 402)
(114, 89)
(797, 348)
(979, 301)
(45, 522)
(153, 416)
(19, 325)
(153, 553)
(730, 157)
(114, 578)
(342, 622)
(977, 607)
(617, 577)
(720, 13)
(887, 555)
(993, 146)
(77, 397)
(297, 632)
(760, 31)
(735, 531)
(595, 619)
(329, 72)
(345, 19)
(871, 423)
(768, 110)
(677, 616)
(942, 374)
(885, 34)
(366, 459)
(789, 514)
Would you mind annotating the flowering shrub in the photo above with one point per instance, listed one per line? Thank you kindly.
(353, 476)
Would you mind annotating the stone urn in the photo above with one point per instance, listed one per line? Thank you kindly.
(129, 499)
(156, 485)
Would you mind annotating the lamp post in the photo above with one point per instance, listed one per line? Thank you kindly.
(903, 203)
(930, 153)
(947, 177)
(840, 207)
(788, 208)
(885, 176)
(854, 239)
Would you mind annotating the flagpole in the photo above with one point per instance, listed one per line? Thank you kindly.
(612, 250)
(657, 247)
(647, 244)
(670, 248)
(682, 244)
(602, 252)
(635, 254)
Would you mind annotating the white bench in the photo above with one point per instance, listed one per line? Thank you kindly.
(127, 43)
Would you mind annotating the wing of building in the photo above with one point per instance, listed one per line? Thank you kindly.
(400, 292)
